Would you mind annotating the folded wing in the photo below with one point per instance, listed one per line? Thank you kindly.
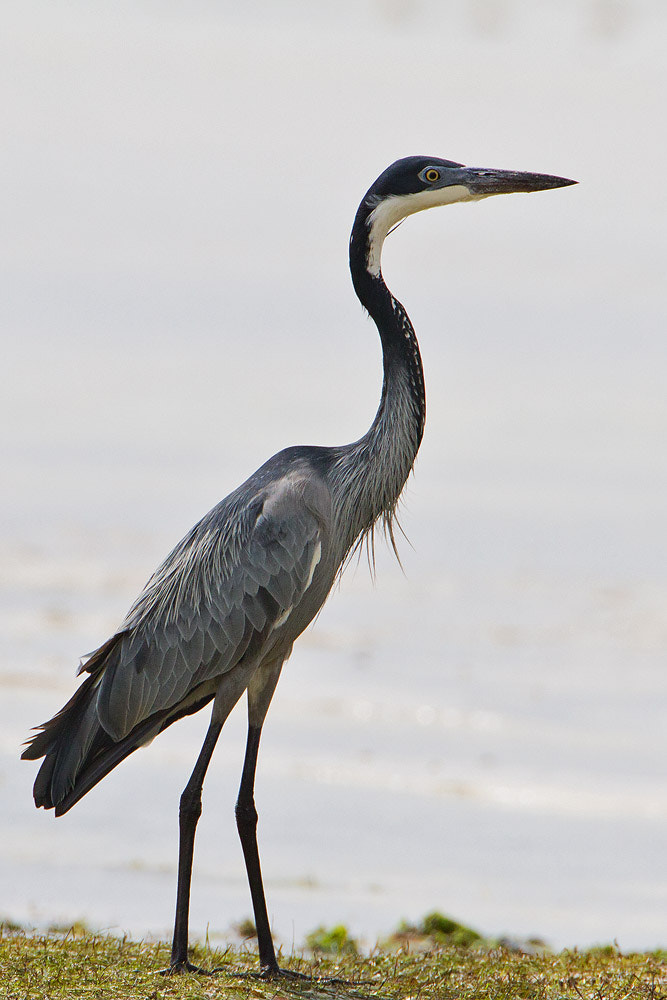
(221, 596)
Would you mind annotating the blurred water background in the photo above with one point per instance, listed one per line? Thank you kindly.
(484, 731)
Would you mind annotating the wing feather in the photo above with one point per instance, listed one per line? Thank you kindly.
(220, 593)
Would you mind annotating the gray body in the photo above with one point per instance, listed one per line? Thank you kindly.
(220, 615)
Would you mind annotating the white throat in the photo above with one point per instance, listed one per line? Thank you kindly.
(396, 207)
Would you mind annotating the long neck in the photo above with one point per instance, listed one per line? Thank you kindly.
(374, 469)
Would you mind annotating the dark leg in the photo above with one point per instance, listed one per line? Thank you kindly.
(246, 822)
(260, 691)
(189, 813)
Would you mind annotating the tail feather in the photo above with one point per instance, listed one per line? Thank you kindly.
(66, 740)
(109, 754)
(104, 758)
(78, 751)
(49, 733)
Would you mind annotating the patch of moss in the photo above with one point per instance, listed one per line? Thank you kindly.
(438, 930)
(444, 930)
(245, 929)
(78, 929)
(332, 941)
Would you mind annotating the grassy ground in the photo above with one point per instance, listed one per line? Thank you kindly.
(85, 965)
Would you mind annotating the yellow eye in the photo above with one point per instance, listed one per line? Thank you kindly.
(431, 175)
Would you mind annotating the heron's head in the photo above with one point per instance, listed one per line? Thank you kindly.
(418, 182)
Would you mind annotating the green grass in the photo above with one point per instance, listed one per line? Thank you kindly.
(84, 965)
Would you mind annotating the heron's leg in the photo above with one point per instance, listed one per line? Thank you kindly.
(260, 692)
(246, 822)
(189, 813)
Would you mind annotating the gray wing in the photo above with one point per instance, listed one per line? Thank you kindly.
(217, 597)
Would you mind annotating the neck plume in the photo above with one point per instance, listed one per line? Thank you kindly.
(373, 471)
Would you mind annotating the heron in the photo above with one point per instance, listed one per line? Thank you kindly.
(220, 615)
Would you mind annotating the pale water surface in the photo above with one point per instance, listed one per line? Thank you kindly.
(484, 731)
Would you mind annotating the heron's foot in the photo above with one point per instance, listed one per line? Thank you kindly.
(181, 968)
(269, 972)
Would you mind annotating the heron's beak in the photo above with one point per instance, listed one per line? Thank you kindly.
(481, 182)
